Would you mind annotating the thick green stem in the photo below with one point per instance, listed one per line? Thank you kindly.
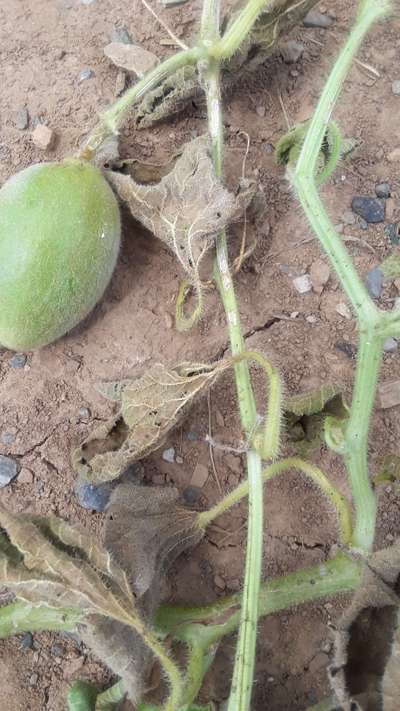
(369, 318)
(310, 470)
(356, 437)
(239, 30)
(240, 696)
(339, 575)
(112, 119)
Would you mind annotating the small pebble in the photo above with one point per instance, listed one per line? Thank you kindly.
(85, 74)
(302, 284)
(43, 137)
(86, 2)
(25, 476)
(349, 218)
(343, 310)
(7, 437)
(389, 394)
(311, 319)
(319, 275)
(393, 232)
(199, 476)
(91, 497)
(390, 345)
(374, 282)
(191, 495)
(371, 209)
(168, 455)
(57, 650)
(261, 111)
(396, 87)
(362, 223)
(317, 19)
(121, 34)
(192, 436)
(179, 460)
(219, 582)
(27, 641)
(8, 470)
(33, 679)
(394, 155)
(22, 119)
(131, 57)
(383, 190)
(84, 414)
(18, 361)
(292, 51)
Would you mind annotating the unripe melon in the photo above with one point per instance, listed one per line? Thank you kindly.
(59, 242)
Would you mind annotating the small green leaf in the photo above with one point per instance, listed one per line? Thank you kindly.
(82, 696)
(335, 430)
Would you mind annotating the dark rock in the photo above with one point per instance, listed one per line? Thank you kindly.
(57, 650)
(121, 34)
(92, 497)
(292, 51)
(18, 360)
(22, 119)
(191, 495)
(8, 470)
(393, 232)
(383, 190)
(374, 282)
(371, 209)
(27, 641)
(317, 19)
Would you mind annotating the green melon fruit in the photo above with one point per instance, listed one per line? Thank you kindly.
(59, 242)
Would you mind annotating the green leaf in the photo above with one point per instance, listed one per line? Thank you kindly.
(311, 402)
(82, 696)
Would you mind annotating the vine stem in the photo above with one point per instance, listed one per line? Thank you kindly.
(309, 470)
(241, 688)
(370, 320)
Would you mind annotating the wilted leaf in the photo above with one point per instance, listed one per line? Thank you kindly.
(146, 530)
(183, 88)
(51, 562)
(366, 642)
(188, 207)
(151, 406)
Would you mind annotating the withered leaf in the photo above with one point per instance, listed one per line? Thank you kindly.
(145, 531)
(48, 561)
(188, 207)
(183, 89)
(150, 406)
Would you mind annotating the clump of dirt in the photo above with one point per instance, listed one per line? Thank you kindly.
(50, 404)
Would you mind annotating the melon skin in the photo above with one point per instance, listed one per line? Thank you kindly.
(59, 241)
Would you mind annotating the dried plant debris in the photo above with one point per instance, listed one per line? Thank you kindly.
(150, 405)
(183, 88)
(188, 207)
(365, 673)
(146, 530)
(43, 559)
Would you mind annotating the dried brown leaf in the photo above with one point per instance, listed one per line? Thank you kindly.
(188, 207)
(48, 561)
(151, 405)
(183, 88)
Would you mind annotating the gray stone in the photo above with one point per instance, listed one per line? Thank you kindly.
(91, 497)
(374, 282)
(131, 57)
(22, 119)
(390, 345)
(191, 495)
(302, 284)
(121, 34)
(348, 218)
(393, 232)
(314, 18)
(7, 437)
(8, 470)
(168, 455)
(85, 74)
(383, 190)
(396, 87)
(84, 414)
(371, 209)
(18, 361)
(292, 51)
(27, 641)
